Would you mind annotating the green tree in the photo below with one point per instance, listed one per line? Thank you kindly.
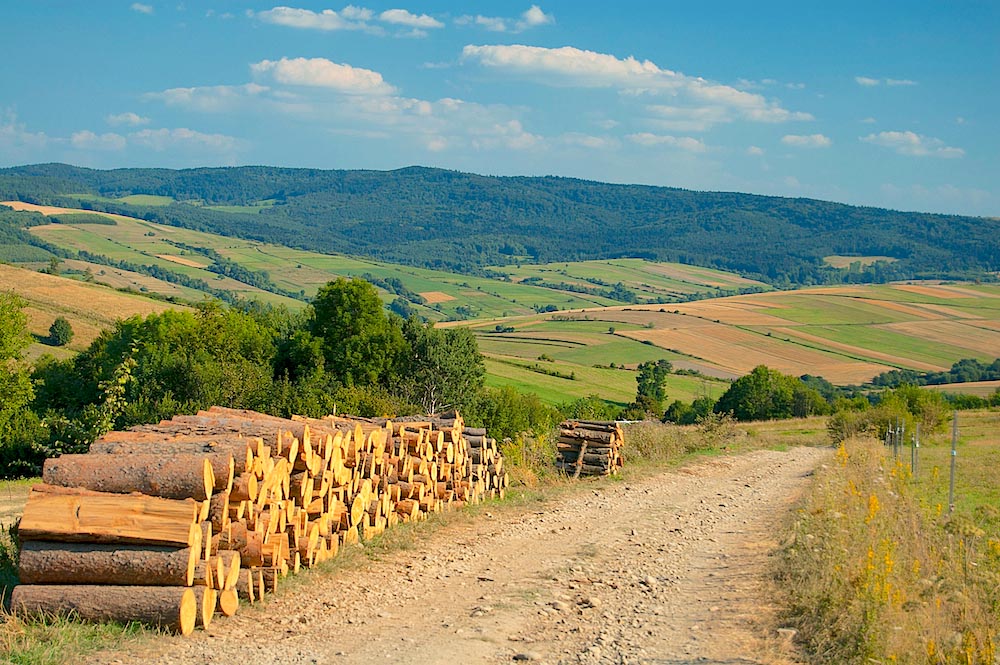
(15, 383)
(361, 344)
(60, 332)
(20, 430)
(444, 368)
(763, 394)
(651, 386)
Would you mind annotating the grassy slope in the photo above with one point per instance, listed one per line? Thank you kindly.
(846, 334)
(89, 308)
(449, 296)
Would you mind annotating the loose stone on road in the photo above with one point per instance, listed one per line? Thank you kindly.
(667, 569)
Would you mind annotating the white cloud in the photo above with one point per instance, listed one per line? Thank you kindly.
(141, 8)
(348, 18)
(682, 142)
(533, 17)
(214, 99)
(14, 135)
(869, 120)
(323, 73)
(756, 151)
(161, 140)
(688, 119)
(589, 141)
(572, 66)
(127, 118)
(869, 82)
(913, 144)
(88, 140)
(807, 141)
(403, 17)
(795, 86)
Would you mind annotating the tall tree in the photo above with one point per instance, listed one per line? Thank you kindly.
(15, 383)
(444, 368)
(361, 344)
(651, 386)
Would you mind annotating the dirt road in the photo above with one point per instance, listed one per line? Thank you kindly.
(668, 569)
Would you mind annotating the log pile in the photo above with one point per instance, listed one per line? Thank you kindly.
(589, 447)
(170, 524)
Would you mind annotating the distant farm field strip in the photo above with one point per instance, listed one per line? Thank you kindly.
(857, 351)
(740, 351)
(436, 297)
(979, 388)
(182, 260)
(953, 334)
(937, 290)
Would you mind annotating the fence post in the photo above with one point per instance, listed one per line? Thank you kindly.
(954, 455)
(915, 451)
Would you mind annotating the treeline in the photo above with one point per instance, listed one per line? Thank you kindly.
(465, 222)
(343, 354)
(767, 394)
(220, 265)
(966, 370)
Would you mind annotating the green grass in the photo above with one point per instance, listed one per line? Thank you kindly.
(819, 310)
(898, 344)
(644, 279)
(55, 641)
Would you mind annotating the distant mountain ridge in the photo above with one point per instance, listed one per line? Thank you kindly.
(466, 222)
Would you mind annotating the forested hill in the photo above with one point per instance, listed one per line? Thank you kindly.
(446, 219)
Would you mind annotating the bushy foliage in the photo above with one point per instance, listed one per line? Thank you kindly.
(507, 413)
(904, 406)
(766, 394)
(60, 332)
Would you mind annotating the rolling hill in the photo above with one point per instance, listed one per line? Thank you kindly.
(124, 251)
(466, 223)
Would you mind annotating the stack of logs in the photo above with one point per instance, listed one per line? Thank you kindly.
(169, 524)
(589, 447)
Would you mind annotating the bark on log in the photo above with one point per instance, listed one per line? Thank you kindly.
(44, 562)
(185, 476)
(109, 518)
(173, 608)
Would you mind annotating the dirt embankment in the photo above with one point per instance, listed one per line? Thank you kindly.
(669, 569)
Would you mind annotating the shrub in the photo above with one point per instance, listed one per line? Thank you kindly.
(60, 332)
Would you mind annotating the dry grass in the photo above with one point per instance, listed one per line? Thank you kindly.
(740, 351)
(89, 308)
(873, 578)
(433, 297)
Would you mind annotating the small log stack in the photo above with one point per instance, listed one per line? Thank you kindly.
(169, 524)
(589, 447)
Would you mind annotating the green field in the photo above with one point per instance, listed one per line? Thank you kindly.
(448, 295)
(846, 334)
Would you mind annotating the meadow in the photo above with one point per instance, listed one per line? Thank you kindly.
(876, 568)
(846, 334)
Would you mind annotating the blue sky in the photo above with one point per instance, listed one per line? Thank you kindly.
(893, 104)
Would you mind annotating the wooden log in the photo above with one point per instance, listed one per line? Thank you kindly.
(171, 477)
(586, 469)
(229, 602)
(246, 586)
(45, 562)
(218, 511)
(108, 518)
(207, 598)
(241, 448)
(603, 437)
(172, 608)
